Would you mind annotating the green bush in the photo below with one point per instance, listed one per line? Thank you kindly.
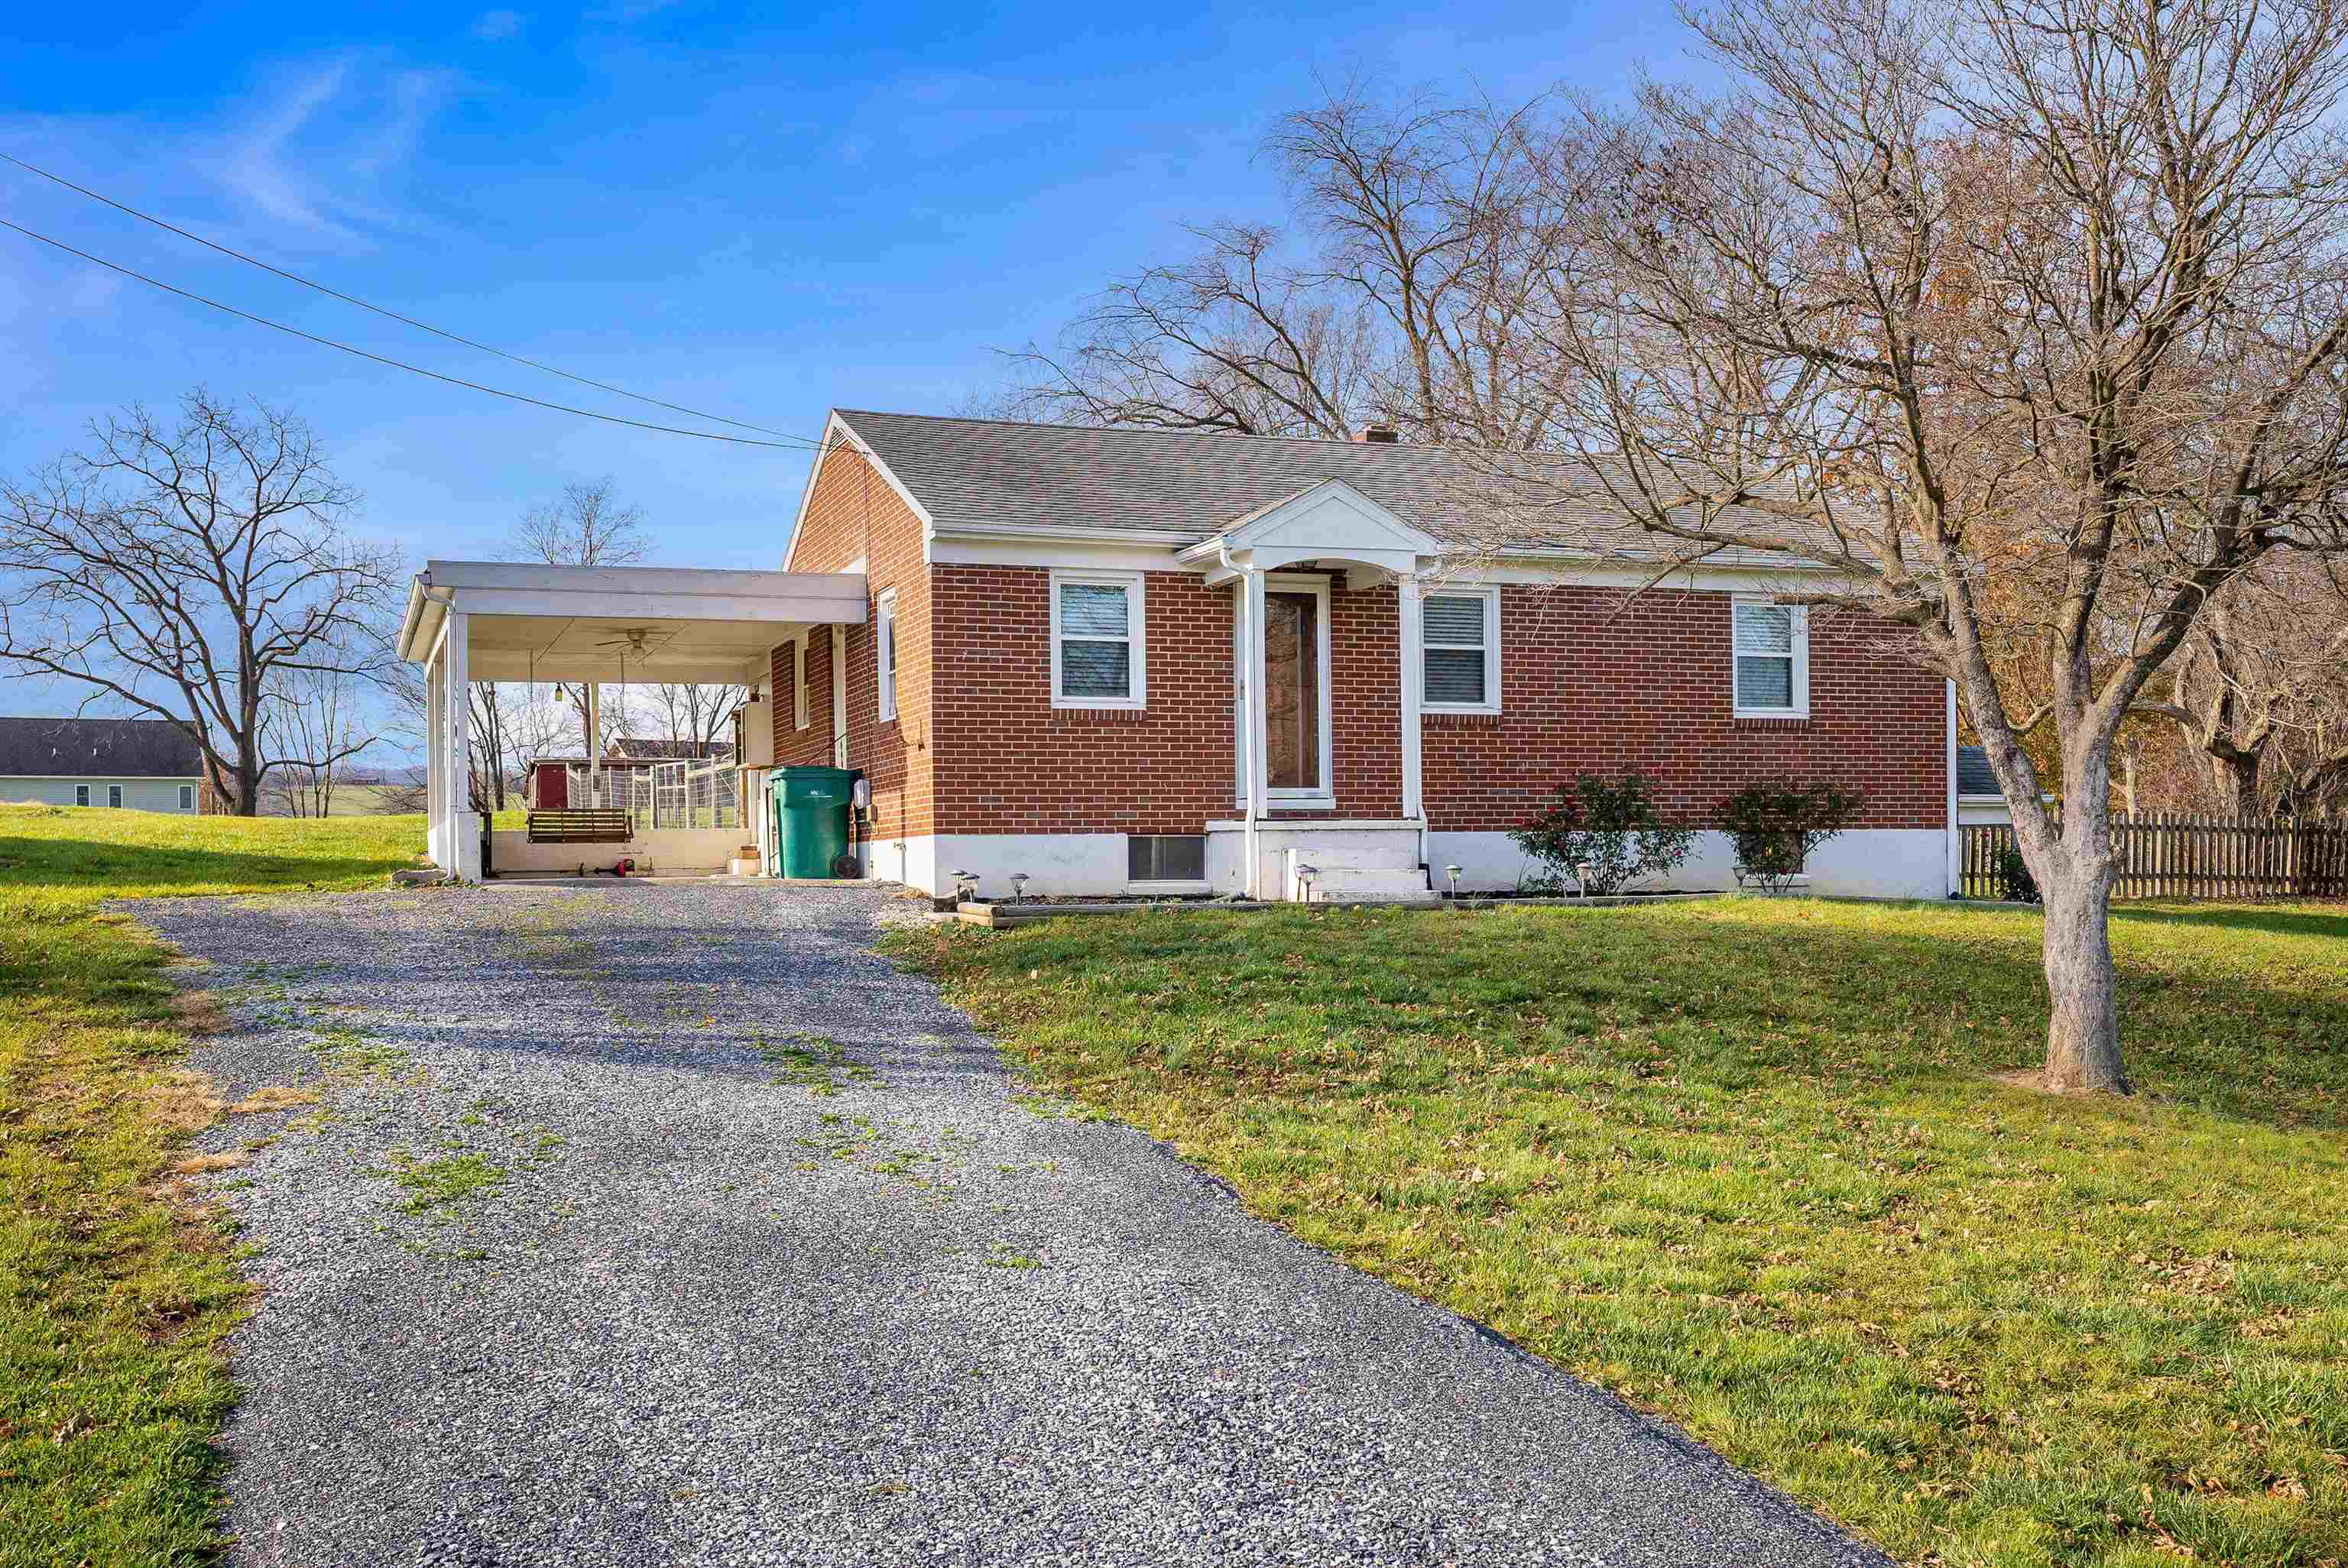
(2014, 878)
(1776, 824)
(1603, 834)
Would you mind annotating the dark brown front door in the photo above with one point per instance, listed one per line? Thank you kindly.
(1292, 684)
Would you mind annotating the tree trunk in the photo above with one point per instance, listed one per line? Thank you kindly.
(2082, 1022)
(2235, 778)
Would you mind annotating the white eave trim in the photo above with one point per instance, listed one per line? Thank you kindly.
(837, 432)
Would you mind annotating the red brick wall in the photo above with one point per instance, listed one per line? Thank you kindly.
(1590, 685)
(854, 515)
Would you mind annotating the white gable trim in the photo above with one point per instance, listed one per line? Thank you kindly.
(1330, 522)
(837, 433)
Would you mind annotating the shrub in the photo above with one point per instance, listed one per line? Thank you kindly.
(2014, 878)
(1775, 825)
(1605, 834)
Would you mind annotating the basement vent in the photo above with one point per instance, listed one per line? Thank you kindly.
(1166, 858)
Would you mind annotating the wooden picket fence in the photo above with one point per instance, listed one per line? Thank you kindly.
(2167, 855)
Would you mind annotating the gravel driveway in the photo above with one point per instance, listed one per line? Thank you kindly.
(666, 1225)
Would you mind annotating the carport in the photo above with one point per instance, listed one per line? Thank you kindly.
(471, 621)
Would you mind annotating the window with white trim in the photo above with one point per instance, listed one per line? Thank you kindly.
(1460, 642)
(114, 796)
(1097, 642)
(1773, 659)
(187, 797)
(81, 794)
(798, 683)
(885, 630)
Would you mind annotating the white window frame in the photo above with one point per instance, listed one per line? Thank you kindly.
(1491, 598)
(1166, 885)
(798, 683)
(1801, 677)
(187, 797)
(81, 794)
(884, 646)
(1136, 637)
(114, 797)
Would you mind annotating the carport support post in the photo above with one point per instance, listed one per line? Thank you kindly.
(463, 830)
(1256, 721)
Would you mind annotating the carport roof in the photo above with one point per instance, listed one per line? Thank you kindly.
(528, 622)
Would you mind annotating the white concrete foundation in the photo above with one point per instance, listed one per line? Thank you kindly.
(1868, 863)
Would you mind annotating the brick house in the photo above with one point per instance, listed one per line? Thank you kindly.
(1050, 678)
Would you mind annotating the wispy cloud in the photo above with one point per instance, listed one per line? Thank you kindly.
(496, 26)
(324, 139)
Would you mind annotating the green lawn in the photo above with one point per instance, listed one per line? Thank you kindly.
(1745, 1163)
(115, 1287)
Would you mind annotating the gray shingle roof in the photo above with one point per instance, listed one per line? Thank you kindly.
(95, 748)
(1192, 485)
(1973, 775)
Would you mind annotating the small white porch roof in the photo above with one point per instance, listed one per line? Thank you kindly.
(528, 622)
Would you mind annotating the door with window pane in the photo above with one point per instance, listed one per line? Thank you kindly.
(1291, 679)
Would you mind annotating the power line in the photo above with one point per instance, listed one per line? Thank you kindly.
(394, 315)
(794, 442)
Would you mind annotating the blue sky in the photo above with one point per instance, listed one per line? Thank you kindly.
(759, 211)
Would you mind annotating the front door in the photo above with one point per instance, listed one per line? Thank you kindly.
(1291, 692)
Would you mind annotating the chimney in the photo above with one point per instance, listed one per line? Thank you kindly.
(1377, 435)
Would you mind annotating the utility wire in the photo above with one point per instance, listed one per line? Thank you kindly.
(395, 315)
(793, 444)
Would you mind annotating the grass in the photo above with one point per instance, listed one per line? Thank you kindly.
(117, 1285)
(1745, 1163)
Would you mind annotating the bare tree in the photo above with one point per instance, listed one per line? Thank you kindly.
(2024, 317)
(186, 571)
(697, 714)
(1403, 292)
(2263, 677)
(587, 525)
(322, 720)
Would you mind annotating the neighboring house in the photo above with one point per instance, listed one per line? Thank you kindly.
(1979, 800)
(136, 765)
(1048, 681)
(1125, 661)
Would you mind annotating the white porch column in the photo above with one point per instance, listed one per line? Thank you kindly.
(1253, 720)
(1406, 635)
(464, 825)
(435, 737)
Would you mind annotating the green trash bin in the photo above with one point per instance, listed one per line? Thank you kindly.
(810, 807)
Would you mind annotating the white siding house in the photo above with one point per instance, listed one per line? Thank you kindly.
(128, 765)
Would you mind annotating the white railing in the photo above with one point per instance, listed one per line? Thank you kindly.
(665, 795)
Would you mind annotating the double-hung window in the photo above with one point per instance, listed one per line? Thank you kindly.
(1773, 659)
(81, 794)
(187, 797)
(1459, 637)
(1098, 650)
(114, 796)
(886, 630)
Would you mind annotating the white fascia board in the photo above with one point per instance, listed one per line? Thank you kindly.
(826, 608)
(538, 577)
(108, 778)
(1602, 574)
(848, 436)
(1071, 552)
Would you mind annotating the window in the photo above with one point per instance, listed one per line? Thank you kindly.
(798, 683)
(1773, 659)
(81, 794)
(1097, 646)
(187, 797)
(114, 796)
(1166, 858)
(1461, 634)
(887, 634)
